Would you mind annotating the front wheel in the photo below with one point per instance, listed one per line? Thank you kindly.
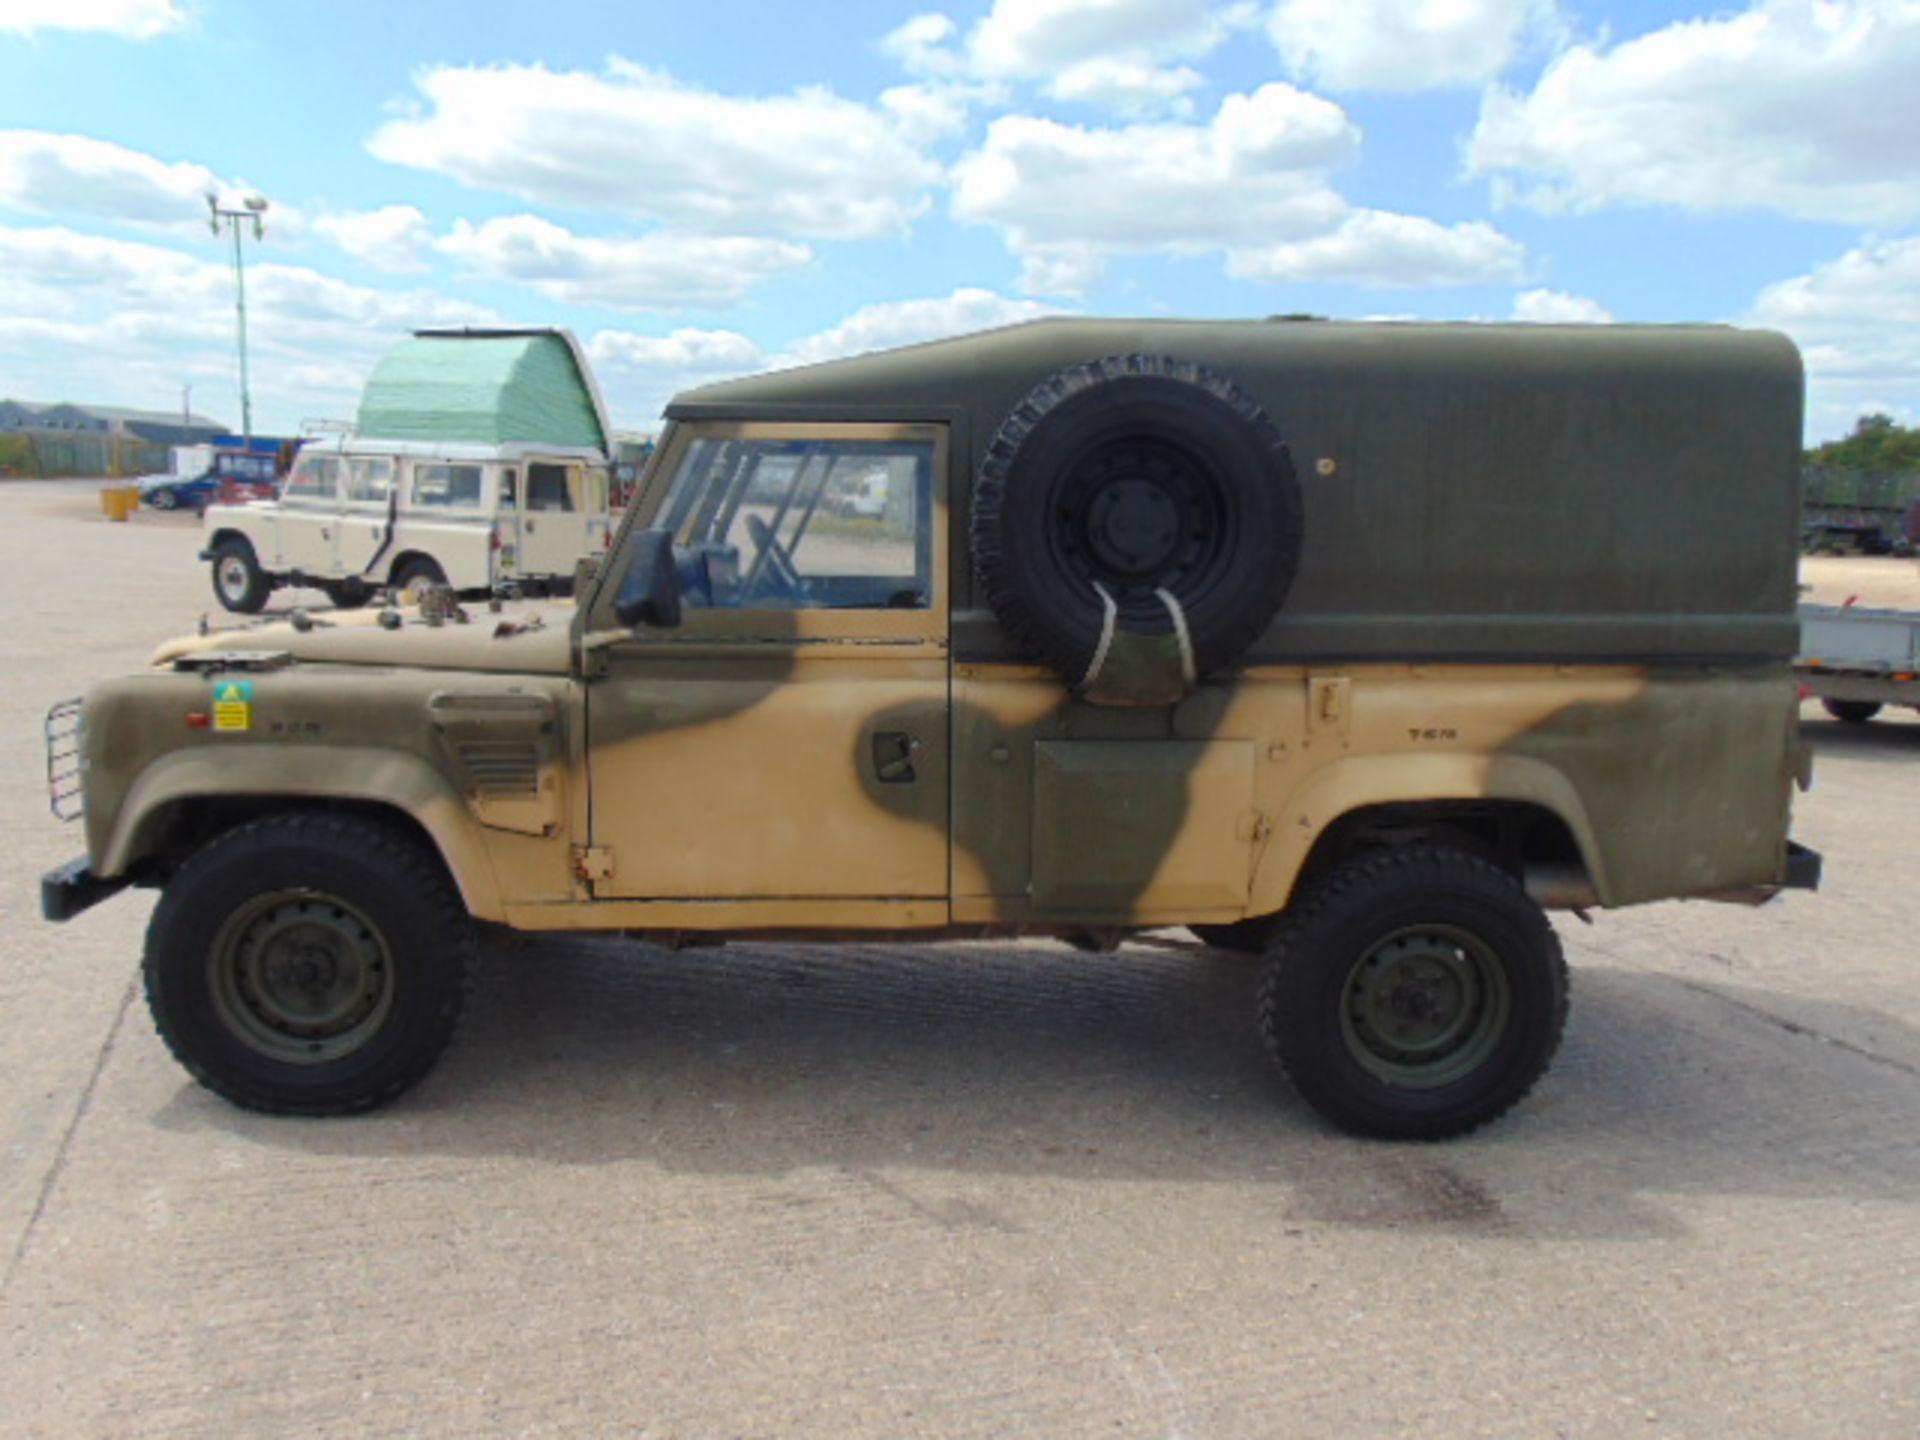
(162, 500)
(238, 581)
(308, 964)
(1415, 994)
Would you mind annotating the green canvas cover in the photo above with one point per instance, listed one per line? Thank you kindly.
(482, 389)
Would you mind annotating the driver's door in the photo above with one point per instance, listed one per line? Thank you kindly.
(786, 743)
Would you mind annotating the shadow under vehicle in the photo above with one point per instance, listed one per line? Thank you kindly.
(1356, 646)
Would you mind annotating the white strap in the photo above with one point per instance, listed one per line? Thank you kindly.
(1180, 629)
(1106, 637)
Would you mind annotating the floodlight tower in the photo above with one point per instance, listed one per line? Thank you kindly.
(252, 212)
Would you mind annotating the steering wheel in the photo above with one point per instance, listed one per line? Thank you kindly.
(774, 567)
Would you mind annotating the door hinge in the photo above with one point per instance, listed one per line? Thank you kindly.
(1327, 704)
(593, 862)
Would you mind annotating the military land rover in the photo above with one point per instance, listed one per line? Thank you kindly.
(1357, 646)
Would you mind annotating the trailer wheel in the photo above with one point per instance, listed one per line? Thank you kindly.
(1852, 712)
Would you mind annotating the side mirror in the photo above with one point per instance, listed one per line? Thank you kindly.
(650, 590)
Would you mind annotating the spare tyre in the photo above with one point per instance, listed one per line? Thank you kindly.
(1138, 497)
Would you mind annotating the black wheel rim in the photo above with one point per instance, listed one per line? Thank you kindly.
(301, 977)
(1137, 515)
(1425, 1006)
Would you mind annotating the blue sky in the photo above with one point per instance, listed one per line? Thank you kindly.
(705, 190)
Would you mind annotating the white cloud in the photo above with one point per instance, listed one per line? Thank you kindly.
(1127, 84)
(1807, 107)
(1401, 44)
(1064, 195)
(75, 176)
(635, 141)
(910, 322)
(166, 318)
(640, 373)
(1118, 54)
(395, 238)
(1379, 248)
(660, 271)
(1857, 322)
(1029, 39)
(923, 45)
(1556, 307)
(133, 19)
(682, 350)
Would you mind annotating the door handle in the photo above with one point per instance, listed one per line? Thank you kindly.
(893, 752)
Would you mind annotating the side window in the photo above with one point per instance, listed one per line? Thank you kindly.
(315, 480)
(804, 524)
(509, 488)
(447, 487)
(369, 479)
(547, 488)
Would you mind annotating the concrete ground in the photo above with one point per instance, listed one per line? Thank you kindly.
(965, 1190)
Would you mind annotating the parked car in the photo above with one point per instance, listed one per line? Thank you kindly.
(1301, 636)
(232, 478)
(356, 515)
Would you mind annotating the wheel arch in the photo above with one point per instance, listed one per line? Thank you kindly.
(218, 537)
(1518, 811)
(182, 800)
(408, 557)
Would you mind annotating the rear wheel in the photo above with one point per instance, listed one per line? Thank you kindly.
(163, 499)
(411, 579)
(238, 581)
(1853, 712)
(308, 964)
(1415, 994)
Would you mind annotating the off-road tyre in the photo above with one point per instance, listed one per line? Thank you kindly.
(308, 889)
(1851, 712)
(1387, 937)
(1242, 937)
(1136, 473)
(417, 571)
(348, 594)
(238, 581)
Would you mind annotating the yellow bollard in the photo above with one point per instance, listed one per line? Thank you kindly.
(107, 500)
(119, 500)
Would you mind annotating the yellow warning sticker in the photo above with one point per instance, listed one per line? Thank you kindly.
(233, 704)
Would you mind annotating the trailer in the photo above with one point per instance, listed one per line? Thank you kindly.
(1856, 661)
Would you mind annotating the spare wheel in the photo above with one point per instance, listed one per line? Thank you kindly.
(1139, 498)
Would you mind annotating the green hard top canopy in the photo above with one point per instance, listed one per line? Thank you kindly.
(486, 387)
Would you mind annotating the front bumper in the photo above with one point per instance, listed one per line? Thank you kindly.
(65, 892)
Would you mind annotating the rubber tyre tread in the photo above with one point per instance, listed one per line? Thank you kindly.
(407, 889)
(1242, 937)
(1057, 617)
(259, 585)
(1315, 950)
(1851, 712)
(417, 569)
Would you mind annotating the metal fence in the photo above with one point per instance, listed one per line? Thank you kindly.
(50, 453)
